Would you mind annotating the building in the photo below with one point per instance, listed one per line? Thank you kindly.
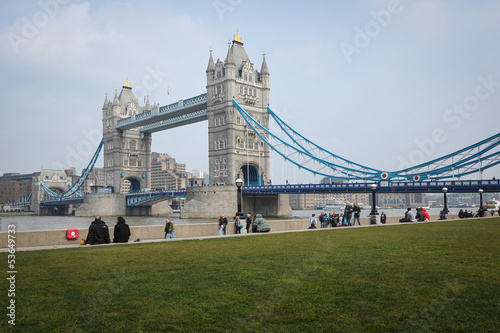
(167, 174)
(310, 201)
(235, 151)
(15, 187)
(127, 162)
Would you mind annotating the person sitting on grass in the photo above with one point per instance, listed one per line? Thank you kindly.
(260, 224)
(98, 232)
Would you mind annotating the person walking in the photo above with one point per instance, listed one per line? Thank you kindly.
(383, 218)
(237, 225)
(222, 225)
(357, 213)
(249, 223)
(166, 228)
(347, 213)
(170, 228)
(322, 220)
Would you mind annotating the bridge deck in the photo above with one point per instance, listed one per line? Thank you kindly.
(173, 115)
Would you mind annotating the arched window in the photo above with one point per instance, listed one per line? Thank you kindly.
(133, 144)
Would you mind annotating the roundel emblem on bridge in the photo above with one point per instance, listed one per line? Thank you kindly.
(416, 178)
(384, 175)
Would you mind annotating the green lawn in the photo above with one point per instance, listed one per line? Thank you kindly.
(430, 277)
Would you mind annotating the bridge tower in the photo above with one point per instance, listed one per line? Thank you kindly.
(127, 153)
(234, 149)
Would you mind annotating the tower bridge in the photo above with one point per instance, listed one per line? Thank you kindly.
(236, 108)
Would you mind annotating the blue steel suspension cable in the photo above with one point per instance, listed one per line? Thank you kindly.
(345, 172)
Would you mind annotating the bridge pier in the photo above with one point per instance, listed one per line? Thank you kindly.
(212, 201)
(109, 204)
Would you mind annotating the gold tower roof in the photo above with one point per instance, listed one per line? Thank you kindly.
(127, 84)
(237, 38)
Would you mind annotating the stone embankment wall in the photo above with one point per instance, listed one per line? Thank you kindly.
(26, 239)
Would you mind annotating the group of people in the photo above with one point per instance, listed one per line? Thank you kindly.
(255, 224)
(422, 215)
(482, 211)
(99, 232)
(345, 219)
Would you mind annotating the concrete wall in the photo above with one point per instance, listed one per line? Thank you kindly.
(275, 205)
(58, 237)
(110, 204)
(210, 202)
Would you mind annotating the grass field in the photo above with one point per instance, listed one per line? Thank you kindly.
(429, 277)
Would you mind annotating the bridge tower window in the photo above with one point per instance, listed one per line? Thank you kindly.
(133, 145)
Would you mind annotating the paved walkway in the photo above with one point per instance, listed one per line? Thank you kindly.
(131, 242)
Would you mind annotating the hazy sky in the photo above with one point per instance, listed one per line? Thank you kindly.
(372, 81)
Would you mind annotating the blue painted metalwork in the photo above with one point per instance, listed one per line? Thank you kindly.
(461, 186)
(146, 199)
(181, 113)
(75, 188)
(307, 155)
(61, 201)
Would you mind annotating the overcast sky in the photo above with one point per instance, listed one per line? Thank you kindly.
(382, 83)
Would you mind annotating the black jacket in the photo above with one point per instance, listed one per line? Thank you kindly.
(98, 233)
(121, 233)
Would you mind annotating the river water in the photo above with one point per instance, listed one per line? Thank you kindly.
(33, 222)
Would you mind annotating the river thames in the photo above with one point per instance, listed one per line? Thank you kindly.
(33, 222)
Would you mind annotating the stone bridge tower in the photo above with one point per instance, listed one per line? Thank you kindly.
(127, 153)
(234, 149)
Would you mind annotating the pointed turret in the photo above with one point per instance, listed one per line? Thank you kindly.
(229, 57)
(264, 70)
(147, 107)
(211, 65)
(116, 101)
(105, 105)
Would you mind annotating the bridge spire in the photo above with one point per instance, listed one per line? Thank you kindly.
(264, 69)
(147, 107)
(229, 57)
(211, 65)
(116, 101)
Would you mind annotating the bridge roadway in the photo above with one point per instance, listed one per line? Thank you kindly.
(177, 114)
(461, 186)
(144, 199)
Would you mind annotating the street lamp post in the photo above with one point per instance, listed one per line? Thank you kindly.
(239, 184)
(480, 202)
(445, 208)
(374, 207)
